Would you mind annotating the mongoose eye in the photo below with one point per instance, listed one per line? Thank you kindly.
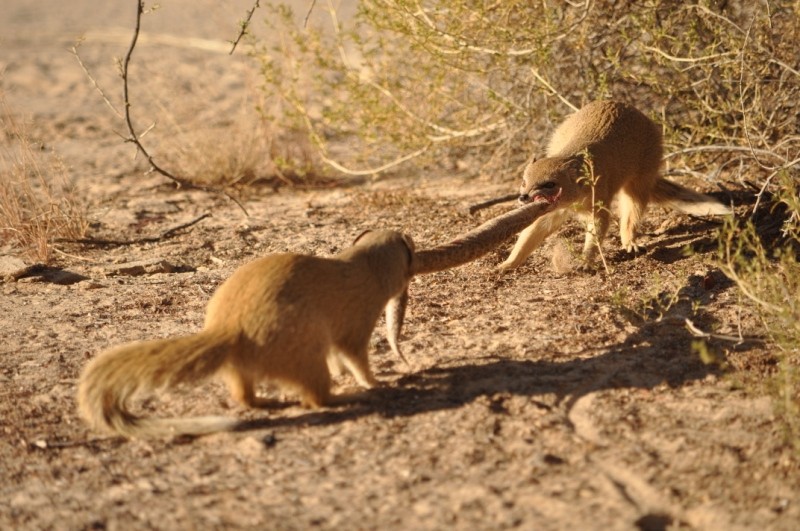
(548, 185)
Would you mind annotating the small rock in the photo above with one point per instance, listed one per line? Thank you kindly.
(11, 266)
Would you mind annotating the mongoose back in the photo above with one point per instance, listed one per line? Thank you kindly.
(605, 150)
(288, 318)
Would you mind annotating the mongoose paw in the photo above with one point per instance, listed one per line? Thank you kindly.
(633, 249)
(348, 397)
(261, 402)
(506, 267)
(589, 267)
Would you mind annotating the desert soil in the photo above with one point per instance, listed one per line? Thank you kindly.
(546, 398)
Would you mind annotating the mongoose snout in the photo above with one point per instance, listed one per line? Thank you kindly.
(548, 193)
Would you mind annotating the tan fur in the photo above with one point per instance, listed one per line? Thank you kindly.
(620, 148)
(288, 318)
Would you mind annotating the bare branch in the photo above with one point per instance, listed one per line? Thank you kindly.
(245, 24)
(553, 91)
(135, 138)
(97, 87)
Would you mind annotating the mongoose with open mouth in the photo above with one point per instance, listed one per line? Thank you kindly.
(606, 150)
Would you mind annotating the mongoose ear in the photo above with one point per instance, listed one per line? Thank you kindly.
(409, 242)
(361, 236)
(578, 164)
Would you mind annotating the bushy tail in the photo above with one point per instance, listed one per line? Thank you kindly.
(115, 376)
(687, 201)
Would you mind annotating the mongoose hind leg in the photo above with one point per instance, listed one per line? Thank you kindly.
(357, 362)
(631, 208)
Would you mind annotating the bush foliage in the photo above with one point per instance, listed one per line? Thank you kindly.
(486, 81)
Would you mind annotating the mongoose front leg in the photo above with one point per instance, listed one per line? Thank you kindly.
(240, 386)
(530, 238)
(353, 355)
(242, 389)
(358, 365)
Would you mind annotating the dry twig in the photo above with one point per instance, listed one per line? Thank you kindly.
(244, 25)
(133, 136)
(145, 239)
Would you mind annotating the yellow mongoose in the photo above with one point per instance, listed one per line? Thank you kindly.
(618, 148)
(285, 317)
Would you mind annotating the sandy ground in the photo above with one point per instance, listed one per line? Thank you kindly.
(537, 399)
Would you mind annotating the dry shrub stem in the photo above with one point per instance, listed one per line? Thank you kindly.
(135, 138)
(768, 278)
(244, 26)
(422, 82)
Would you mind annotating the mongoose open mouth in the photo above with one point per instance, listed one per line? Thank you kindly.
(539, 197)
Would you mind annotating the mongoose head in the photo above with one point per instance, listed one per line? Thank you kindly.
(388, 239)
(402, 247)
(552, 179)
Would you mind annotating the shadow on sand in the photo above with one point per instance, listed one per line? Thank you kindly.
(659, 351)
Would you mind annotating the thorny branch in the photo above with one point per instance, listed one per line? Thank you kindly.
(308, 14)
(245, 24)
(135, 138)
(97, 86)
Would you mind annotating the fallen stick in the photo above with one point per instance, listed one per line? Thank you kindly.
(492, 202)
(145, 239)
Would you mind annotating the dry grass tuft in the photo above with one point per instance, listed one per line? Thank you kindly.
(37, 201)
(246, 151)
